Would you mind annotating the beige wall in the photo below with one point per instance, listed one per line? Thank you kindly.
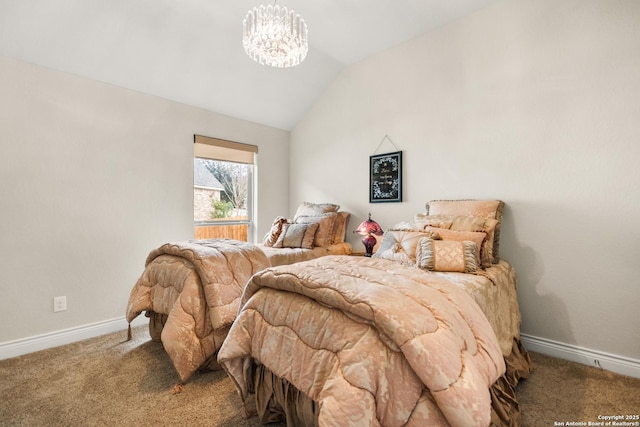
(533, 102)
(92, 177)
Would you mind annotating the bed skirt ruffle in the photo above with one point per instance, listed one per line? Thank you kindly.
(156, 324)
(505, 409)
(276, 399)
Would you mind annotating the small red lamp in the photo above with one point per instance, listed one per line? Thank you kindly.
(369, 228)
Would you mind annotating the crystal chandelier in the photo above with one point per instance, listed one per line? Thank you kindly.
(275, 36)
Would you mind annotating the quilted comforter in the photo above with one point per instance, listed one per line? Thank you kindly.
(196, 287)
(373, 342)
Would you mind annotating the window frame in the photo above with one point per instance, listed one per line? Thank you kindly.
(234, 152)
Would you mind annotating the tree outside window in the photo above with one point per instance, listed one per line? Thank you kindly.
(221, 205)
(234, 177)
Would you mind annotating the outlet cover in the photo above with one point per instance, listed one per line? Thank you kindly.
(59, 304)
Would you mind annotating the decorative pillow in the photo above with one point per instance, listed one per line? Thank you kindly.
(315, 209)
(447, 255)
(405, 226)
(393, 251)
(276, 228)
(477, 237)
(340, 227)
(490, 209)
(488, 228)
(441, 221)
(453, 222)
(296, 236)
(326, 222)
(490, 244)
(469, 223)
(400, 245)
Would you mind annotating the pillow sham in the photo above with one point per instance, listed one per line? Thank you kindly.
(340, 227)
(325, 232)
(488, 227)
(393, 251)
(441, 221)
(296, 236)
(400, 245)
(406, 226)
(447, 255)
(480, 208)
(490, 209)
(315, 209)
(276, 228)
(477, 237)
(490, 244)
(454, 222)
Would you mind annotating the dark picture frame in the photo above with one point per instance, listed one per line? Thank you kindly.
(385, 177)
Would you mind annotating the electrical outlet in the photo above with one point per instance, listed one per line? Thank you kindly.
(59, 304)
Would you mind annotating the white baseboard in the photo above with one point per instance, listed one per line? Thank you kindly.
(610, 362)
(607, 361)
(67, 336)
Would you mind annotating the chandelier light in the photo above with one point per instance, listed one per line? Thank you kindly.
(275, 36)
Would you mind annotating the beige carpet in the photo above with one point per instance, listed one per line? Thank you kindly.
(107, 381)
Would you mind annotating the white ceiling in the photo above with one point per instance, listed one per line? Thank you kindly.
(191, 50)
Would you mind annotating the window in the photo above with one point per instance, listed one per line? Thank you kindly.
(223, 189)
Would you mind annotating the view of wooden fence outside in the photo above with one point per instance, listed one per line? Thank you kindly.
(222, 231)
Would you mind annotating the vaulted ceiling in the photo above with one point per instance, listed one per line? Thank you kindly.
(191, 51)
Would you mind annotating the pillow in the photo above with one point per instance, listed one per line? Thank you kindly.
(393, 251)
(477, 237)
(400, 245)
(481, 208)
(441, 221)
(447, 255)
(276, 228)
(454, 222)
(326, 222)
(340, 227)
(315, 209)
(405, 226)
(490, 244)
(489, 226)
(489, 209)
(296, 236)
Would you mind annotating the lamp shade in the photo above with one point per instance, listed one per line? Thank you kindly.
(368, 227)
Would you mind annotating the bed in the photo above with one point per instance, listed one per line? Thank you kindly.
(317, 229)
(190, 290)
(426, 332)
(285, 256)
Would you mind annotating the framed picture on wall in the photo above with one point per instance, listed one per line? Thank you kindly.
(385, 177)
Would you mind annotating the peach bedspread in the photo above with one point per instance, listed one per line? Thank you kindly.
(195, 288)
(373, 342)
